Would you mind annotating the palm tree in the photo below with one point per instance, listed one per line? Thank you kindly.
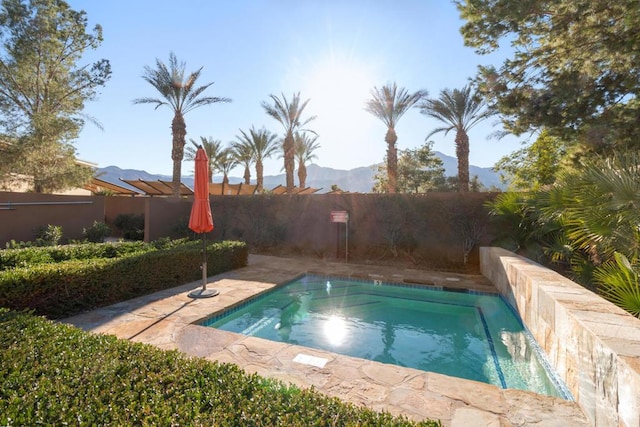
(459, 110)
(289, 114)
(389, 103)
(211, 146)
(263, 144)
(305, 145)
(226, 161)
(181, 95)
(244, 155)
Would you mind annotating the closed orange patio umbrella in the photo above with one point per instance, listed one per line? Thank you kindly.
(201, 221)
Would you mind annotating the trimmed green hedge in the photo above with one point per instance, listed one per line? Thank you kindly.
(54, 374)
(62, 289)
(26, 257)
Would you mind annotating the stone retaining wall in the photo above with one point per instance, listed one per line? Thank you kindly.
(593, 345)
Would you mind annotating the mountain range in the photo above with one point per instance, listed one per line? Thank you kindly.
(357, 180)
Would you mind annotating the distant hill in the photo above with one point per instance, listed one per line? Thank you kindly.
(358, 180)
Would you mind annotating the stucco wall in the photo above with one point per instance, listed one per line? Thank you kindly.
(593, 344)
(21, 214)
(436, 224)
(433, 226)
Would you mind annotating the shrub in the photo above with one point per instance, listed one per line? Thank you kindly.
(30, 256)
(69, 287)
(97, 232)
(55, 374)
(131, 226)
(51, 235)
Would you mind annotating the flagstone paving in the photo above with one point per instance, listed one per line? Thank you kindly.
(166, 319)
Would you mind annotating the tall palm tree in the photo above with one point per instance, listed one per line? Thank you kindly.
(289, 114)
(226, 161)
(263, 145)
(389, 103)
(459, 110)
(180, 93)
(305, 145)
(244, 155)
(211, 146)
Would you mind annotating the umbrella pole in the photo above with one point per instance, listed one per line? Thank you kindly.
(204, 262)
(204, 292)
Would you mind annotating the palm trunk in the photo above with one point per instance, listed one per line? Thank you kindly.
(462, 152)
(302, 175)
(247, 175)
(392, 160)
(289, 161)
(179, 132)
(259, 177)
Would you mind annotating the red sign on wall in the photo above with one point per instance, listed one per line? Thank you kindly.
(340, 216)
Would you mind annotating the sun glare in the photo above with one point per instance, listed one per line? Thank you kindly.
(337, 93)
(335, 330)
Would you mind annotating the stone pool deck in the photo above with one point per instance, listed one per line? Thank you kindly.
(165, 319)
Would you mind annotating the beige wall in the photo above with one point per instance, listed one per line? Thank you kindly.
(436, 223)
(21, 214)
(433, 226)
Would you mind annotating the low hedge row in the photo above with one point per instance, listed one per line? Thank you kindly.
(66, 288)
(55, 374)
(26, 257)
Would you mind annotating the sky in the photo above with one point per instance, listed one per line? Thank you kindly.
(334, 52)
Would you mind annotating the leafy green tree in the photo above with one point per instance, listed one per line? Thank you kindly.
(263, 145)
(43, 89)
(535, 166)
(419, 170)
(180, 93)
(459, 110)
(389, 103)
(305, 145)
(573, 71)
(213, 148)
(289, 114)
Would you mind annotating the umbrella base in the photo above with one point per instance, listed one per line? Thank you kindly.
(203, 293)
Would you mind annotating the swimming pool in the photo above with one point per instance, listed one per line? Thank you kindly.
(464, 334)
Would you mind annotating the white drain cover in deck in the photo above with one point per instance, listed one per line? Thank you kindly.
(310, 360)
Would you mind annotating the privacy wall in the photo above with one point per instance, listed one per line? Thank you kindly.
(438, 226)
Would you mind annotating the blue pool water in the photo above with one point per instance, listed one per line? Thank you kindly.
(462, 334)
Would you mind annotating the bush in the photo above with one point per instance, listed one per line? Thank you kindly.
(69, 287)
(31, 256)
(51, 235)
(97, 232)
(54, 374)
(131, 226)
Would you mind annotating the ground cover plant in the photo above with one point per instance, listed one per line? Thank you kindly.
(56, 374)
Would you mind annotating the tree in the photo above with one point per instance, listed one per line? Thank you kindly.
(535, 166)
(459, 110)
(388, 104)
(419, 171)
(213, 148)
(43, 89)
(263, 144)
(305, 145)
(289, 114)
(244, 156)
(181, 94)
(573, 71)
(226, 161)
